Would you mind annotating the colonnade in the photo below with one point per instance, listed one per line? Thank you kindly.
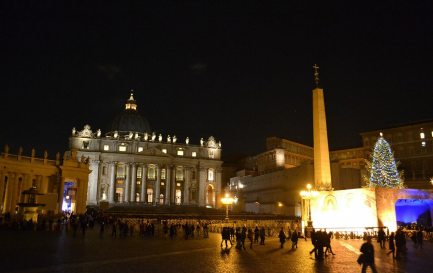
(156, 190)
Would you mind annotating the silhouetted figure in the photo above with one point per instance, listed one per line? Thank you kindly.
(282, 237)
(262, 235)
(328, 247)
(400, 243)
(381, 238)
(225, 236)
(294, 239)
(419, 237)
(256, 234)
(391, 245)
(243, 236)
(367, 250)
(250, 235)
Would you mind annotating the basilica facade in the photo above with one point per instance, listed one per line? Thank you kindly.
(131, 164)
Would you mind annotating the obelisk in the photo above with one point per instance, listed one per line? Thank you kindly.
(322, 169)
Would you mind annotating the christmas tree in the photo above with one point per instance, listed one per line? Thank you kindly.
(382, 169)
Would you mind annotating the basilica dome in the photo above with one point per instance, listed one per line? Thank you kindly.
(130, 120)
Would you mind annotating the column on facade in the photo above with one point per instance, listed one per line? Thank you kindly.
(217, 184)
(186, 185)
(127, 183)
(61, 190)
(173, 185)
(20, 187)
(111, 188)
(157, 185)
(13, 188)
(133, 182)
(2, 188)
(44, 184)
(167, 184)
(93, 182)
(144, 184)
(10, 191)
(99, 181)
(197, 183)
(202, 189)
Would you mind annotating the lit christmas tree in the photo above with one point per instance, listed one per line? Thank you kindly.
(382, 170)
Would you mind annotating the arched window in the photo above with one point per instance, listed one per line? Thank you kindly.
(161, 199)
(149, 195)
(179, 173)
(120, 171)
(163, 173)
(151, 172)
(210, 196)
(178, 197)
(210, 174)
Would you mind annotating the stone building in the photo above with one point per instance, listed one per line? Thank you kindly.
(61, 183)
(278, 174)
(131, 164)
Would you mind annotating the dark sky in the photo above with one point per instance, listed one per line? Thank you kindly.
(240, 71)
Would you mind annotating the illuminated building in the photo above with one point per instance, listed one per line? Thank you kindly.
(57, 180)
(278, 175)
(132, 164)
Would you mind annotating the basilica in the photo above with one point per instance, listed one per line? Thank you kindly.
(131, 164)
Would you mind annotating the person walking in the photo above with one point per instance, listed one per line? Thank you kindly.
(294, 239)
(400, 243)
(250, 235)
(262, 235)
(367, 251)
(282, 237)
(243, 236)
(328, 247)
(225, 236)
(391, 245)
(419, 237)
(381, 238)
(256, 234)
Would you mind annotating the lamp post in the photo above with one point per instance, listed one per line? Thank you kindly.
(307, 195)
(227, 200)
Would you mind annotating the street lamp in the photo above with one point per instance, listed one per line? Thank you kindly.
(227, 200)
(307, 195)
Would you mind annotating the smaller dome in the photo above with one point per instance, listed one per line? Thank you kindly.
(130, 120)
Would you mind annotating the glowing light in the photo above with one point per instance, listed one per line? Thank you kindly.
(280, 204)
(279, 157)
(345, 210)
(227, 200)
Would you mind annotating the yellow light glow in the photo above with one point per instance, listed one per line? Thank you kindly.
(280, 204)
(309, 186)
(279, 157)
(350, 210)
(227, 199)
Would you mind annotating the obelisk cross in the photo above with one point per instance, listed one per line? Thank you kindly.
(316, 74)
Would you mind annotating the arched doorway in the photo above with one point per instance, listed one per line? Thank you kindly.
(69, 196)
(410, 211)
(210, 196)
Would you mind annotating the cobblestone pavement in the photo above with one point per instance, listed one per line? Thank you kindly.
(31, 252)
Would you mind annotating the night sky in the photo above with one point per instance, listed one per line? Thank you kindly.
(240, 71)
